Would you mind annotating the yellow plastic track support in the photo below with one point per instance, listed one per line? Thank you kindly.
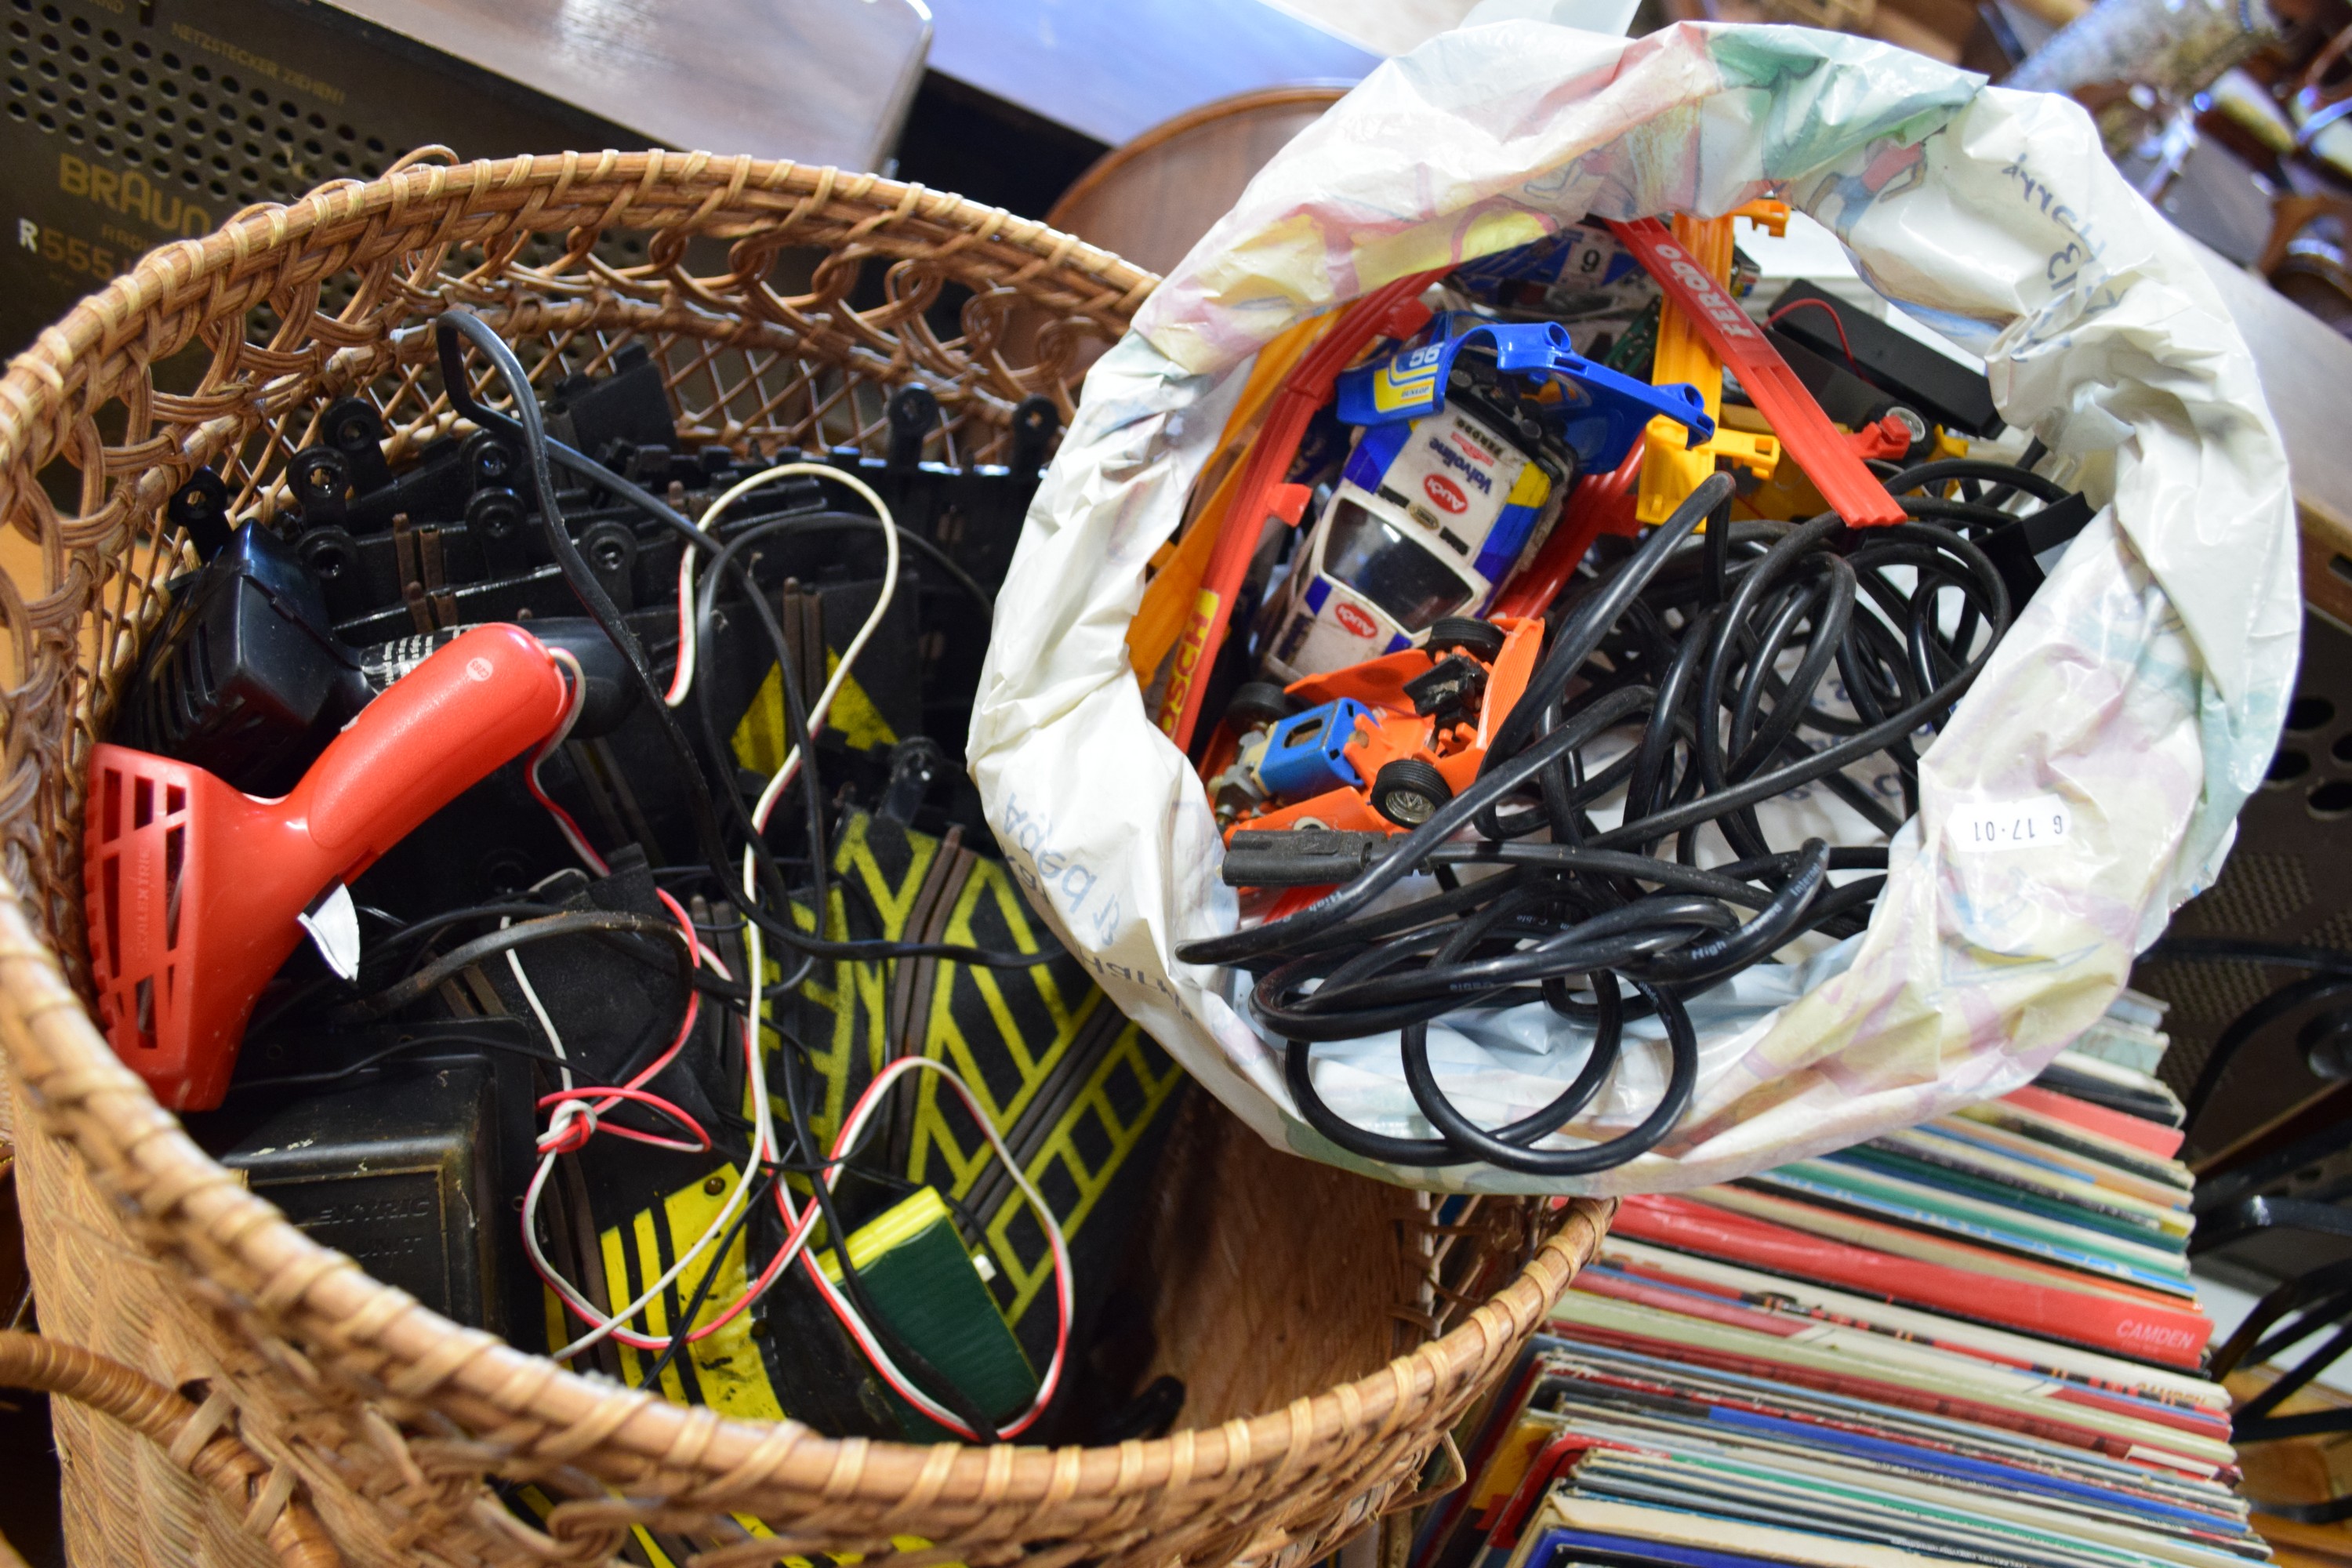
(1669, 470)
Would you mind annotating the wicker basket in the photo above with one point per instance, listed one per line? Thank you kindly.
(387, 1421)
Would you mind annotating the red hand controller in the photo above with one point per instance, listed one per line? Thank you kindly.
(193, 888)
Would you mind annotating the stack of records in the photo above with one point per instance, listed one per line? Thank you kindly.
(1974, 1341)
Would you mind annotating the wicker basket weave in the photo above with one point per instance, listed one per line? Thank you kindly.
(388, 1420)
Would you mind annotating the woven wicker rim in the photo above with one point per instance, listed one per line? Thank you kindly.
(692, 192)
(525, 1404)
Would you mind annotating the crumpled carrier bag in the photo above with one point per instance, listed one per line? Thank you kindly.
(2141, 692)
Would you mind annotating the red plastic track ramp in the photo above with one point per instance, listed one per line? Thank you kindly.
(193, 888)
(1392, 310)
(1818, 446)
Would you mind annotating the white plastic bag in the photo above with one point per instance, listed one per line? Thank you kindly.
(2141, 690)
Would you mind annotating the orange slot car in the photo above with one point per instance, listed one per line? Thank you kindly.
(1381, 745)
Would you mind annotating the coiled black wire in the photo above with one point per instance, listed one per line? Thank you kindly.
(1719, 672)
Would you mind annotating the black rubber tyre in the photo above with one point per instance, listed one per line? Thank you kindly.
(1482, 640)
(1410, 792)
(1257, 702)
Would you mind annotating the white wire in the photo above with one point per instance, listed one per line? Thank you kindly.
(682, 681)
(538, 1008)
(822, 706)
(567, 1113)
(547, 1270)
(764, 1139)
(776, 785)
(764, 1146)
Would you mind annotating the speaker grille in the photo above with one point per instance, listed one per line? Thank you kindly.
(224, 141)
(2289, 880)
(212, 138)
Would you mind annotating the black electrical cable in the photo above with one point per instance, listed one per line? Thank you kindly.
(2027, 461)
(1460, 1133)
(1662, 940)
(1588, 622)
(1765, 786)
(526, 424)
(684, 1322)
(413, 931)
(1376, 989)
(447, 328)
(734, 992)
(415, 987)
(799, 734)
(399, 1048)
(402, 932)
(1707, 959)
(973, 1225)
(1454, 1149)
(1974, 470)
(661, 512)
(1729, 883)
(956, 575)
(1327, 912)
(1745, 662)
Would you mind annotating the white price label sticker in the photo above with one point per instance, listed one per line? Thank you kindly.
(2037, 822)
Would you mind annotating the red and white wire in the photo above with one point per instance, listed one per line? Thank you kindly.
(563, 822)
(1064, 1287)
(854, 1124)
(580, 1128)
(579, 1105)
(609, 1096)
(799, 1224)
(765, 1147)
(681, 679)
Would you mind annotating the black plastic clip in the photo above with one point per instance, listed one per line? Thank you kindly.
(2016, 548)
(914, 414)
(200, 506)
(1446, 687)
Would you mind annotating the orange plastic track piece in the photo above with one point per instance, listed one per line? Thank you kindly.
(1393, 309)
(1852, 490)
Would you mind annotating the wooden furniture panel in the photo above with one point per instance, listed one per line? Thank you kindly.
(2306, 373)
